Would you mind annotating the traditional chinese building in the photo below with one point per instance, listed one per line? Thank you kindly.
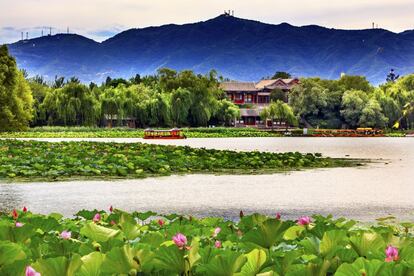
(253, 97)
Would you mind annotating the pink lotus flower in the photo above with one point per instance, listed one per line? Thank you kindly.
(161, 222)
(391, 253)
(180, 240)
(113, 222)
(304, 220)
(217, 244)
(31, 272)
(278, 216)
(66, 235)
(24, 209)
(97, 217)
(216, 231)
(19, 224)
(15, 215)
(111, 209)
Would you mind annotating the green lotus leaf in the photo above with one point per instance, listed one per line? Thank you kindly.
(293, 232)
(194, 255)
(122, 260)
(224, 264)
(368, 244)
(331, 242)
(98, 233)
(128, 226)
(10, 252)
(58, 266)
(362, 267)
(170, 258)
(255, 261)
(267, 233)
(91, 264)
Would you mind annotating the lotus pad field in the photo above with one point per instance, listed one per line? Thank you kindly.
(94, 132)
(119, 243)
(29, 160)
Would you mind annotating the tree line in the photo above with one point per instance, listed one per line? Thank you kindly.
(177, 99)
(352, 102)
(167, 99)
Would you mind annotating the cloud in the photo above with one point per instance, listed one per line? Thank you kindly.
(104, 33)
(8, 29)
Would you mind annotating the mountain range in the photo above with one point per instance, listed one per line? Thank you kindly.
(236, 48)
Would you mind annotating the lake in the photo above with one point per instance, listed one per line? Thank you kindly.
(378, 189)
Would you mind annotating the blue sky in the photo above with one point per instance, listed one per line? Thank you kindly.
(100, 19)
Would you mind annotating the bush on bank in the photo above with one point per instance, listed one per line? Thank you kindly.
(120, 243)
(32, 159)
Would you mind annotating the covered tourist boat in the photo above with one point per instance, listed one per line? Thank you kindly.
(359, 132)
(174, 133)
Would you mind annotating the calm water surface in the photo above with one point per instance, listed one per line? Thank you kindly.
(365, 193)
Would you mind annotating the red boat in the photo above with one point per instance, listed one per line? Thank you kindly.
(174, 133)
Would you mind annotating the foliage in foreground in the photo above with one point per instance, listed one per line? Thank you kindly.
(31, 159)
(120, 243)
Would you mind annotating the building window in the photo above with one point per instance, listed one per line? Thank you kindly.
(249, 98)
(239, 97)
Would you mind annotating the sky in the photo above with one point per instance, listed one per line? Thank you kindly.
(101, 19)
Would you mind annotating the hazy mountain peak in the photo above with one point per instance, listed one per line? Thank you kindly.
(237, 48)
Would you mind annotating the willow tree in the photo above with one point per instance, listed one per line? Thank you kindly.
(372, 115)
(279, 112)
(74, 104)
(111, 104)
(227, 112)
(15, 95)
(204, 92)
(180, 106)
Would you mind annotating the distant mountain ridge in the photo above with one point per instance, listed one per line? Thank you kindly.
(237, 48)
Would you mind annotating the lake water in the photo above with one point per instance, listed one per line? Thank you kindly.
(379, 189)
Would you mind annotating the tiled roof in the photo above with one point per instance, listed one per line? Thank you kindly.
(238, 86)
(263, 83)
(250, 86)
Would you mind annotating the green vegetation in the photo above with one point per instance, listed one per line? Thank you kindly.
(15, 95)
(185, 99)
(95, 132)
(120, 243)
(352, 102)
(280, 112)
(30, 159)
(168, 99)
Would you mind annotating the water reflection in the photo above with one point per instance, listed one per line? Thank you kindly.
(365, 193)
(11, 196)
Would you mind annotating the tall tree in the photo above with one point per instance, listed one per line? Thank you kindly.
(15, 95)
(227, 112)
(372, 116)
(309, 100)
(281, 75)
(181, 101)
(279, 112)
(74, 104)
(353, 103)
